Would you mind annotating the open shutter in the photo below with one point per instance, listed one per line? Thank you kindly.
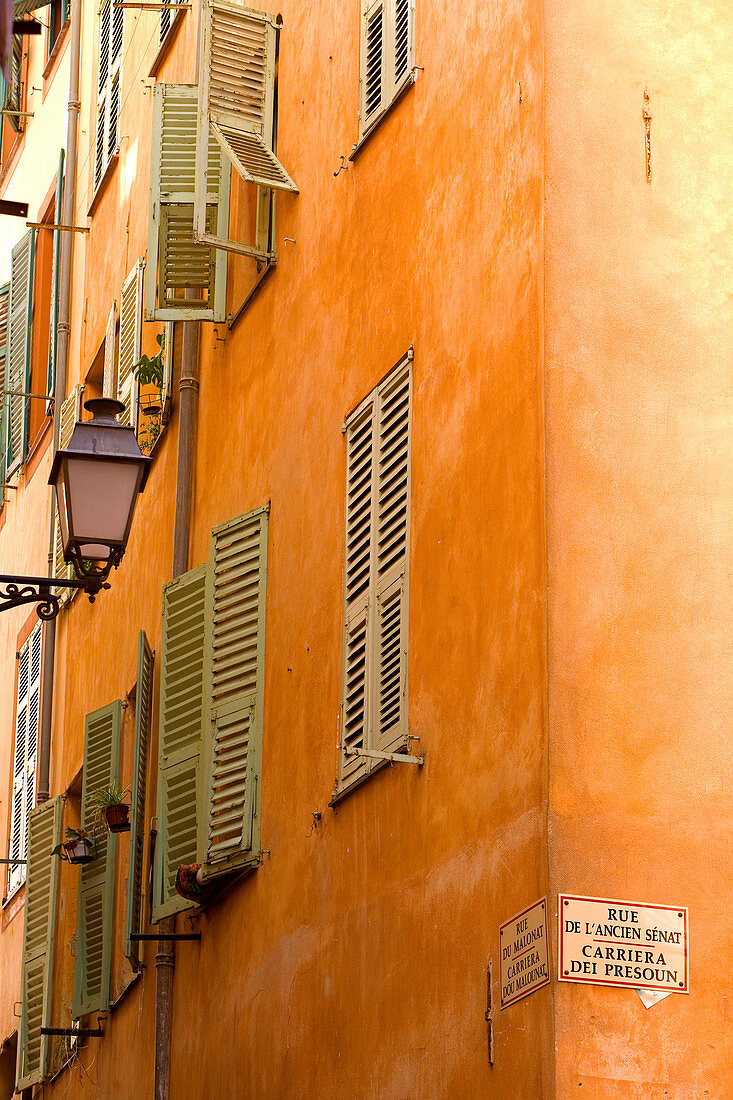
(131, 323)
(70, 413)
(236, 104)
(4, 305)
(401, 59)
(108, 383)
(185, 631)
(95, 908)
(386, 56)
(392, 541)
(176, 263)
(357, 643)
(54, 317)
(239, 575)
(44, 833)
(167, 387)
(19, 350)
(27, 715)
(137, 811)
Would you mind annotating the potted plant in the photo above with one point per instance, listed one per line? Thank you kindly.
(77, 848)
(149, 372)
(109, 803)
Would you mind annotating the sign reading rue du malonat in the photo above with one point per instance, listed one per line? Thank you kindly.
(607, 942)
(524, 961)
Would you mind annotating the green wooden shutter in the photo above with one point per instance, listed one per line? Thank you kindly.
(137, 812)
(390, 561)
(234, 749)
(95, 910)
(185, 631)
(176, 263)
(236, 106)
(54, 319)
(131, 323)
(44, 833)
(18, 365)
(4, 307)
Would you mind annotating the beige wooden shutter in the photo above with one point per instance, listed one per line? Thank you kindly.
(95, 908)
(391, 559)
(239, 573)
(167, 388)
(27, 715)
(70, 413)
(131, 323)
(176, 263)
(108, 384)
(374, 24)
(44, 833)
(144, 695)
(401, 57)
(186, 632)
(357, 657)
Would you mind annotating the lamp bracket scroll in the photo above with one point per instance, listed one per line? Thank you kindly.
(16, 591)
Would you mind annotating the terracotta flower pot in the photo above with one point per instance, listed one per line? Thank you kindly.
(79, 849)
(118, 817)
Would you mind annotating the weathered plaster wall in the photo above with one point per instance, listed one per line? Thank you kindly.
(638, 344)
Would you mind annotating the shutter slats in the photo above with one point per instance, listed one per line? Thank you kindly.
(143, 702)
(17, 370)
(108, 385)
(185, 633)
(131, 306)
(95, 906)
(182, 263)
(44, 833)
(239, 568)
(26, 743)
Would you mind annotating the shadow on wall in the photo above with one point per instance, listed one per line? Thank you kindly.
(8, 1054)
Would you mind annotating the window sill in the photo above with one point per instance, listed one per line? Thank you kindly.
(167, 43)
(339, 794)
(374, 126)
(54, 56)
(102, 185)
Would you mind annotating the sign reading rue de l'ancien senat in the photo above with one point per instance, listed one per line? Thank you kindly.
(524, 957)
(621, 943)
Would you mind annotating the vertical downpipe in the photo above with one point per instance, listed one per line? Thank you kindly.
(165, 959)
(62, 352)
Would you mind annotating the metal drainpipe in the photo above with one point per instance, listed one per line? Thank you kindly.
(62, 351)
(165, 959)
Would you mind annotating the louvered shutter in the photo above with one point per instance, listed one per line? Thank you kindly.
(4, 304)
(186, 630)
(181, 264)
(393, 515)
(70, 413)
(234, 749)
(111, 33)
(18, 364)
(131, 322)
(386, 56)
(54, 315)
(357, 643)
(95, 907)
(236, 104)
(27, 714)
(108, 383)
(167, 388)
(44, 833)
(137, 809)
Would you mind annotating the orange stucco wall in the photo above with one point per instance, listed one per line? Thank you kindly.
(638, 382)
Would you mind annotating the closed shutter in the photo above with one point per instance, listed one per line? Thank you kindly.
(4, 304)
(374, 706)
(18, 364)
(27, 713)
(95, 908)
(186, 631)
(386, 56)
(131, 320)
(176, 263)
(54, 317)
(44, 833)
(70, 413)
(108, 383)
(137, 809)
(239, 575)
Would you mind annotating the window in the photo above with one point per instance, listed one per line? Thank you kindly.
(374, 701)
(58, 13)
(387, 32)
(168, 16)
(211, 697)
(15, 100)
(27, 712)
(111, 31)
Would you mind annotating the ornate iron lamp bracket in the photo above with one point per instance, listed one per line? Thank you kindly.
(15, 591)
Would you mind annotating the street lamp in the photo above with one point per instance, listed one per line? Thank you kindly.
(97, 479)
